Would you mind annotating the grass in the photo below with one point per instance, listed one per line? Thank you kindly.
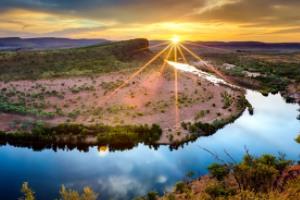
(227, 100)
(72, 62)
(21, 108)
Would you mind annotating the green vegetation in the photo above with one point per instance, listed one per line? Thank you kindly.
(27, 191)
(201, 129)
(150, 196)
(201, 114)
(297, 139)
(72, 62)
(266, 177)
(21, 108)
(274, 76)
(274, 70)
(181, 187)
(65, 194)
(227, 100)
(111, 85)
(76, 135)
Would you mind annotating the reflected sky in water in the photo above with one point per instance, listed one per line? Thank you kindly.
(123, 175)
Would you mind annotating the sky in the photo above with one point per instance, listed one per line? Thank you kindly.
(226, 20)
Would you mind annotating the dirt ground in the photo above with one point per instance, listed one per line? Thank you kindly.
(146, 99)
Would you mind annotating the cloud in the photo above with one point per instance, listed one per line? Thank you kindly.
(120, 10)
(254, 13)
(120, 187)
(155, 19)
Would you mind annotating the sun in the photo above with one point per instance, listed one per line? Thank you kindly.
(175, 39)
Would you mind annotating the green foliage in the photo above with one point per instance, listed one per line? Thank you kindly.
(152, 195)
(217, 189)
(259, 174)
(275, 76)
(218, 171)
(201, 114)
(254, 178)
(72, 62)
(74, 134)
(298, 139)
(111, 85)
(171, 197)
(27, 192)
(181, 187)
(21, 108)
(227, 100)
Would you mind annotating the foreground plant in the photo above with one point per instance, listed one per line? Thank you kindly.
(65, 193)
(254, 178)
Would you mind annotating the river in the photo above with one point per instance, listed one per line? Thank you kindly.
(126, 174)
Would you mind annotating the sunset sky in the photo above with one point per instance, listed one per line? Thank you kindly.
(261, 20)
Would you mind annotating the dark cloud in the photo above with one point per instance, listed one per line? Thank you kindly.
(120, 10)
(283, 15)
(250, 12)
(253, 13)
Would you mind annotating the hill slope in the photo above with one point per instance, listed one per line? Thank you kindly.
(68, 62)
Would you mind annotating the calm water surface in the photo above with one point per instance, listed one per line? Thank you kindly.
(124, 175)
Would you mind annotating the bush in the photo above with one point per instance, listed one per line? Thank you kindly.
(27, 191)
(297, 139)
(215, 190)
(181, 187)
(152, 195)
(218, 171)
(259, 174)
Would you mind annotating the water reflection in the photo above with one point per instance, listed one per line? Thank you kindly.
(103, 151)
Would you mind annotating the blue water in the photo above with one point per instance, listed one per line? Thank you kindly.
(126, 174)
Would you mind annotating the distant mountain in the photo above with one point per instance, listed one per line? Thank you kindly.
(16, 43)
(250, 44)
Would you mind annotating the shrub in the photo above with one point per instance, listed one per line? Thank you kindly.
(298, 139)
(27, 192)
(152, 195)
(69, 194)
(216, 189)
(181, 187)
(218, 171)
(259, 174)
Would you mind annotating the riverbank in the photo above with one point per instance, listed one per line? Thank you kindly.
(265, 177)
(147, 99)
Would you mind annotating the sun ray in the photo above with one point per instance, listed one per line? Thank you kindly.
(135, 74)
(182, 55)
(153, 46)
(176, 91)
(186, 62)
(208, 66)
(205, 46)
(165, 61)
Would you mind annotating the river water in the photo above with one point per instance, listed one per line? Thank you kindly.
(126, 174)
